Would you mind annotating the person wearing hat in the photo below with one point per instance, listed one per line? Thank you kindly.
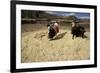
(77, 30)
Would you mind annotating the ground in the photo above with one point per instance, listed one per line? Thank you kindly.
(37, 48)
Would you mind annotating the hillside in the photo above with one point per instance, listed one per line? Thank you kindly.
(43, 16)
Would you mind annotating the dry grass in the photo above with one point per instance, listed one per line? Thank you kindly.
(37, 48)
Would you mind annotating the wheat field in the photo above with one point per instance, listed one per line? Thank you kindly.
(35, 46)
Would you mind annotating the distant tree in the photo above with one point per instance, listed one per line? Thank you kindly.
(24, 14)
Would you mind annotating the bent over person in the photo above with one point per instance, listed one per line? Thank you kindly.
(53, 29)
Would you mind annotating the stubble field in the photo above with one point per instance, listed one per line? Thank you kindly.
(35, 46)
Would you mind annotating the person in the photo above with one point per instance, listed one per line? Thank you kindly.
(51, 31)
(77, 30)
(56, 27)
